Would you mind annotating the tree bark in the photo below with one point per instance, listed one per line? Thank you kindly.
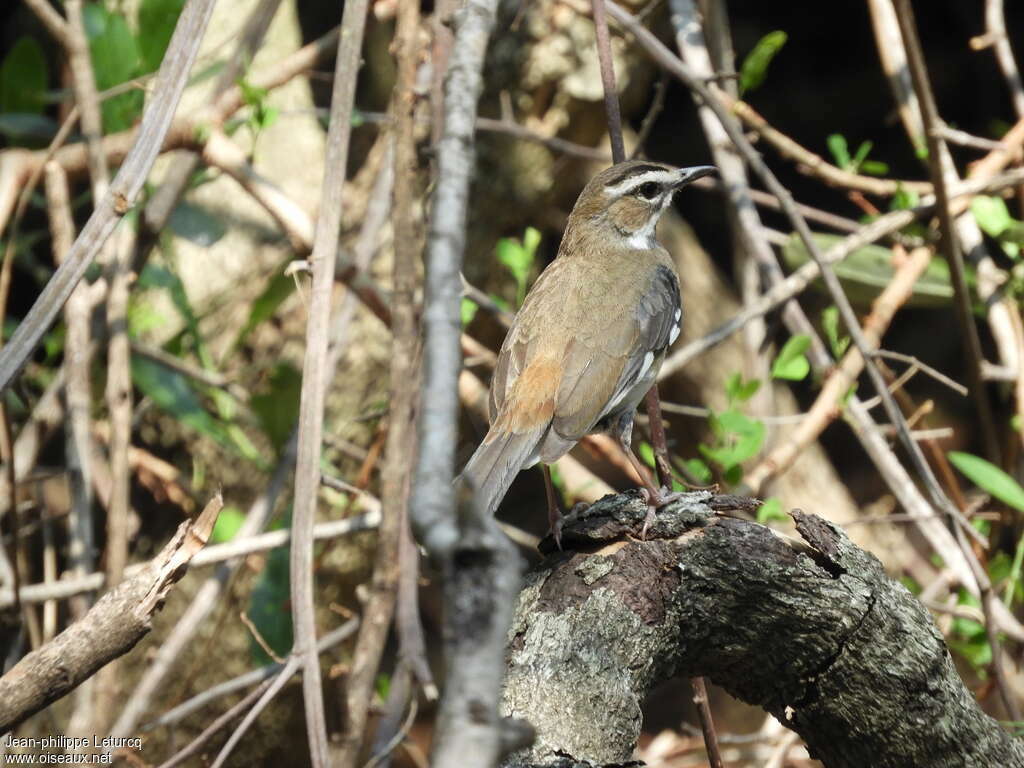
(813, 631)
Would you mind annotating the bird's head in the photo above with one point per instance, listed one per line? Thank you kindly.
(626, 200)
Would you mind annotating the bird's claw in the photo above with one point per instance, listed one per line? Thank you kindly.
(656, 498)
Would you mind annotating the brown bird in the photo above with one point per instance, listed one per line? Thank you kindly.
(591, 335)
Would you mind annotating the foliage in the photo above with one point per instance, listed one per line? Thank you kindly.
(518, 257)
(771, 511)
(837, 342)
(858, 162)
(755, 66)
(868, 269)
(269, 607)
(736, 436)
(791, 363)
(989, 478)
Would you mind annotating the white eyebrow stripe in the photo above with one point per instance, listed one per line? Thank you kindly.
(665, 177)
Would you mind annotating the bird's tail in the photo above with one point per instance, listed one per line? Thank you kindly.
(496, 463)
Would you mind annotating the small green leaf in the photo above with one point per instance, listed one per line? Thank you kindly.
(23, 78)
(755, 65)
(699, 470)
(989, 478)
(904, 199)
(733, 475)
(277, 406)
(991, 214)
(172, 392)
(279, 288)
(269, 607)
(840, 151)
(874, 167)
(382, 685)
(518, 260)
(861, 154)
(771, 510)
(646, 453)
(228, 523)
(531, 241)
(739, 390)
(792, 364)
(468, 309)
(738, 438)
(830, 323)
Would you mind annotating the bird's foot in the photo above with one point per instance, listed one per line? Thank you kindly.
(555, 521)
(656, 498)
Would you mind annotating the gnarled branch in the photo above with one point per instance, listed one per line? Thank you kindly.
(813, 631)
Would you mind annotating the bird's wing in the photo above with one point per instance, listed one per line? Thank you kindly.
(600, 372)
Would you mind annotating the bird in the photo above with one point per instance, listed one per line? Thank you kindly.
(590, 337)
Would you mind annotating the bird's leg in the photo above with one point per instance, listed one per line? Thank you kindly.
(654, 496)
(554, 512)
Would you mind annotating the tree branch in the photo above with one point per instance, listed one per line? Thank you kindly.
(814, 632)
(110, 629)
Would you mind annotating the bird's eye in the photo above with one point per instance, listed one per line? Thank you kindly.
(649, 190)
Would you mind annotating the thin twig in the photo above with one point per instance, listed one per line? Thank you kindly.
(51, 19)
(408, 251)
(995, 32)
(395, 488)
(611, 93)
(220, 722)
(950, 242)
(314, 382)
(239, 547)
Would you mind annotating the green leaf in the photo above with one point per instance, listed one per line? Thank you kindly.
(1014, 587)
(277, 408)
(771, 510)
(518, 259)
(228, 523)
(172, 392)
(382, 685)
(791, 364)
(700, 470)
(904, 199)
(830, 323)
(23, 78)
(874, 167)
(468, 309)
(157, 19)
(279, 288)
(989, 478)
(531, 241)
(836, 143)
(755, 65)
(739, 390)
(269, 607)
(991, 214)
(733, 475)
(869, 269)
(861, 154)
(115, 59)
(646, 454)
(738, 438)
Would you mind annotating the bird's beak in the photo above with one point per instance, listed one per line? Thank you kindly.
(689, 175)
